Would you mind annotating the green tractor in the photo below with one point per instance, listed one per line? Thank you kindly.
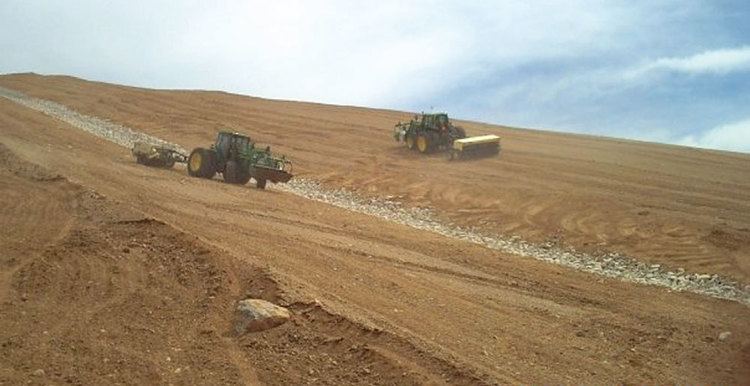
(237, 159)
(428, 132)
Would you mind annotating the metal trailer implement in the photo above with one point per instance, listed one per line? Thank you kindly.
(238, 159)
(156, 155)
(428, 133)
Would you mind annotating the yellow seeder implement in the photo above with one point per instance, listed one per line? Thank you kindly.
(483, 145)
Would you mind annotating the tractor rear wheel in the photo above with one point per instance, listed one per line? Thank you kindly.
(410, 142)
(202, 163)
(261, 183)
(424, 143)
(460, 132)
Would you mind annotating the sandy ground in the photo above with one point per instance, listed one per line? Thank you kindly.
(677, 206)
(398, 305)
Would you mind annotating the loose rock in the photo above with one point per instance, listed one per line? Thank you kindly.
(255, 315)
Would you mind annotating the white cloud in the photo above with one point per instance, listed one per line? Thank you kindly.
(720, 61)
(383, 53)
(733, 136)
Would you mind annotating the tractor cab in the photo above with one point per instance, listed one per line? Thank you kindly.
(441, 120)
(229, 145)
(434, 121)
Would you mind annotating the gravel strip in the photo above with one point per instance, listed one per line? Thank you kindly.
(121, 135)
(613, 265)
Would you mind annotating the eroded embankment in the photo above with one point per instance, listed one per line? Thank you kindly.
(611, 265)
(116, 297)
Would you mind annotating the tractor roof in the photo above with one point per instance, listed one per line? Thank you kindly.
(233, 133)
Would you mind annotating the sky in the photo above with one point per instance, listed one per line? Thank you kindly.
(665, 71)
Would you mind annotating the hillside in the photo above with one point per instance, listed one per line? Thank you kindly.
(672, 205)
(374, 301)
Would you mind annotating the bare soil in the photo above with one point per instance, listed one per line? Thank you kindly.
(660, 203)
(115, 272)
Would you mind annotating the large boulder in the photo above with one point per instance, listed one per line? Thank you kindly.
(255, 315)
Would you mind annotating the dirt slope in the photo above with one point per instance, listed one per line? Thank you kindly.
(682, 207)
(406, 306)
(94, 293)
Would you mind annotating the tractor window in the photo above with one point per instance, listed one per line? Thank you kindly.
(222, 144)
(241, 143)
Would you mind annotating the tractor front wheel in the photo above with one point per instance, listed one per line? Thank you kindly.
(424, 143)
(233, 174)
(230, 172)
(202, 163)
(410, 142)
(243, 178)
(261, 183)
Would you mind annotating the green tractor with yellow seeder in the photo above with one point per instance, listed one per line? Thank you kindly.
(428, 133)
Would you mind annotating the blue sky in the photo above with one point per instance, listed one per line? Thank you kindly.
(666, 71)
